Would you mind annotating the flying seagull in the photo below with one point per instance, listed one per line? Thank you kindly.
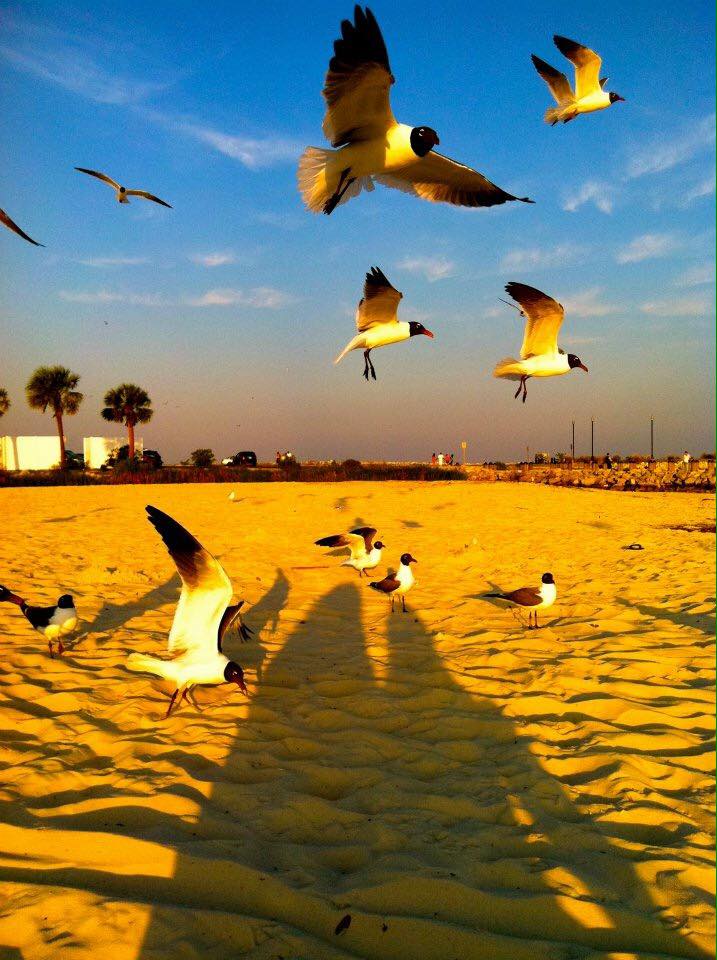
(531, 599)
(11, 225)
(365, 553)
(203, 616)
(53, 622)
(122, 192)
(540, 355)
(589, 94)
(377, 320)
(372, 145)
(397, 584)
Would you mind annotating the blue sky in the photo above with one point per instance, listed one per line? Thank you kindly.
(230, 308)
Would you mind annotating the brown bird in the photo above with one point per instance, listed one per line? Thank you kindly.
(121, 193)
(531, 599)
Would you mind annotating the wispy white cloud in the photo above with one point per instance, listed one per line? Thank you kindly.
(432, 268)
(703, 188)
(113, 261)
(70, 67)
(263, 298)
(587, 303)
(218, 259)
(697, 275)
(112, 296)
(253, 152)
(673, 149)
(679, 307)
(593, 191)
(647, 247)
(535, 258)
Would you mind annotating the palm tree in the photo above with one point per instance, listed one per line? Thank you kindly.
(128, 404)
(54, 387)
(4, 402)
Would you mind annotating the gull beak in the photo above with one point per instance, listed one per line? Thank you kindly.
(438, 142)
(427, 333)
(583, 367)
(242, 686)
(618, 97)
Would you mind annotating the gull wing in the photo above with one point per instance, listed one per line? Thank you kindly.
(357, 84)
(147, 196)
(355, 541)
(11, 225)
(380, 301)
(206, 589)
(557, 82)
(229, 618)
(525, 596)
(441, 180)
(543, 317)
(367, 533)
(387, 585)
(587, 65)
(100, 176)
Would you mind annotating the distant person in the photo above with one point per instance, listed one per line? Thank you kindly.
(434, 459)
(441, 459)
(686, 459)
(608, 461)
(278, 457)
(453, 458)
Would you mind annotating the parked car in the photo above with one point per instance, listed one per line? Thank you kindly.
(245, 458)
(152, 458)
(75, 461)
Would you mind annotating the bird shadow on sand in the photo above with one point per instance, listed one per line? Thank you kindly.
(262, 618)
(705, 622)
(113, 616)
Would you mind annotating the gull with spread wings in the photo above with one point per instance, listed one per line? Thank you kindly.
(11, 225)
(540, 355)
(372, 144)
(203, 616)
(365, 552)
(377, 320)
(589, 94)
(122, 193)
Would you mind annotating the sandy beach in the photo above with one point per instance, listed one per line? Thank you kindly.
(459, 786)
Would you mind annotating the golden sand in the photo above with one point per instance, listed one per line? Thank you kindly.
(459, 786)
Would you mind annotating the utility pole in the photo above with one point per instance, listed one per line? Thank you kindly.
(572, 445)
(592, 440)
(652, 438)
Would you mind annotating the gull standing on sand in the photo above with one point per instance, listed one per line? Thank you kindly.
(201, 620)
(122, 193)
(373, 146)
(377, 320)
(365, 554)
(53, 623)
(397, 584)
(11, 225)
(540, 355)
(589, 94)
(532, 599)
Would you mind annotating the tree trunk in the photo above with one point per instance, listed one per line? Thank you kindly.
(130, 439)
(61, 433)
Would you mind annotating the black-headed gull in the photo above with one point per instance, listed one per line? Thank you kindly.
(365, 552)
(11, 225)
(397, 584)
(531, 599)
(540, 355)
(203, 616)
(377, 320)
(122, 193)
(373, 146)
(589, 94)
(53, 622)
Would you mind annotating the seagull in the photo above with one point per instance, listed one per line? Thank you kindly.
(201, 620)
(397, 584)
(377, 320)
(540, 355)
(373, 145)
(365, 554)
(532, 599)
(52, 622)
(11, 225)
(122, 192)
(589, 94)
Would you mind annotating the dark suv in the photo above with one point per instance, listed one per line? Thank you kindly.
(245, 458)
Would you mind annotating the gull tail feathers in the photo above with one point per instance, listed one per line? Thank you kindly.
(311, 177)
(552, 115)
(141, 663)
(353, 344)
(508, 369)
